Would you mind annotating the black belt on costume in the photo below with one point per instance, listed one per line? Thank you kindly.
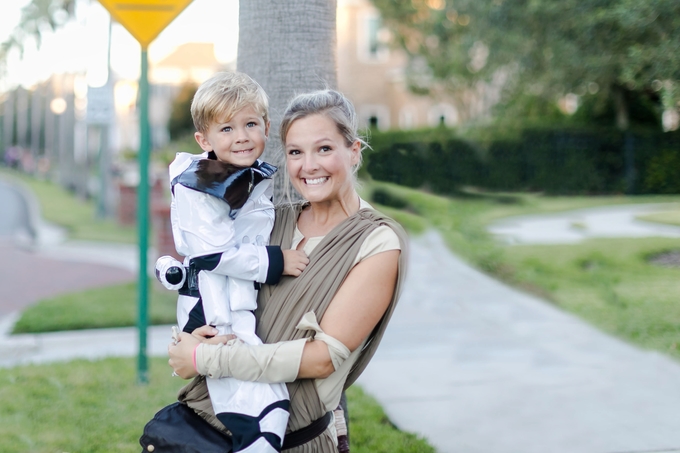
(190, 287)
(304, 435)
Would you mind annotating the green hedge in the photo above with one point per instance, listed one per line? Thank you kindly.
(557, 160)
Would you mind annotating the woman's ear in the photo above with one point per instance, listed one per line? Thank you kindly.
(355, 151)
(203, 142)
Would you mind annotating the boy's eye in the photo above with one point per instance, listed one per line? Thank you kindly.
(226, 129)
(251, 124)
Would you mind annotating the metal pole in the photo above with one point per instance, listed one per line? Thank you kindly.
(104, 163)
(102, 140)
(142, 216)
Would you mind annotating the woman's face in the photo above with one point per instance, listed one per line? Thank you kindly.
(318, 159)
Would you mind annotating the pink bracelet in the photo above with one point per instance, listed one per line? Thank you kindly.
(193, 356)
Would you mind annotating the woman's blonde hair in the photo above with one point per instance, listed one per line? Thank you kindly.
(223, 95)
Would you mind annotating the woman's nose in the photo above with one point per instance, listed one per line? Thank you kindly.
(310, 163)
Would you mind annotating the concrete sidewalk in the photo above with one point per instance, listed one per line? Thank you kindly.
(470, 364)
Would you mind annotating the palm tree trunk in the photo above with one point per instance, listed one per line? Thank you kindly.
(288, 48)
(37, 103)
(7, 122)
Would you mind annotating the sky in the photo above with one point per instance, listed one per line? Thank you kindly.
(213, 21)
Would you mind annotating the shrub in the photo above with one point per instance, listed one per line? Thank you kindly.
(561, 160)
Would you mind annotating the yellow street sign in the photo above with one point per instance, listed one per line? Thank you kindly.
(144, 19)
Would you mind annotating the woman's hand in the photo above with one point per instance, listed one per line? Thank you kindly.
(182, 352)
(182, 355)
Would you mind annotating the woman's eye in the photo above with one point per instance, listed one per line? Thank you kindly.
(293, 152)
(325, 148)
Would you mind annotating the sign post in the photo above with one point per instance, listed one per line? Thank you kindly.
(144, 19)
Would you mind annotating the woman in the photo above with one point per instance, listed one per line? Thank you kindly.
(323, 327)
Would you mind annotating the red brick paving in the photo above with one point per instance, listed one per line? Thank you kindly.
(27, 277)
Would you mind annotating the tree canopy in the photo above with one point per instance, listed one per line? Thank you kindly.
(37, 17)
(609, 50)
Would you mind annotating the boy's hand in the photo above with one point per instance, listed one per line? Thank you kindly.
(294, 262)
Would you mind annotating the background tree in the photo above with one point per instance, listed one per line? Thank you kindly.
(37, 17)
(288, 48)
(615, 51)
(180, 122)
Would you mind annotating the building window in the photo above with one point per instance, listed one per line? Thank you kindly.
(373, 39)
(442, 115)
(374, 116)
(406, 118)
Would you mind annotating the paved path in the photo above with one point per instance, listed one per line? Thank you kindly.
(580, 224)
(27, 276)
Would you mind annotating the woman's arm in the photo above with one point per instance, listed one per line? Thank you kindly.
(355, 310)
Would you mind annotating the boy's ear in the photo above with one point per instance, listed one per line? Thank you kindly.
(203, 142)
(266, 129)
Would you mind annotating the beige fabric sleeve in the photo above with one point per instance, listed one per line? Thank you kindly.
(338, 351)
(278, 362)
(270, 363)
(381, 239)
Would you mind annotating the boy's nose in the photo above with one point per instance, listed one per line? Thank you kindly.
(241, 135)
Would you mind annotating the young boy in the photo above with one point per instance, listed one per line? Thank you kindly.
(222, 216)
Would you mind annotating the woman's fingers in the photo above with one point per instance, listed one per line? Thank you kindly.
(182, 355)
(205, 332)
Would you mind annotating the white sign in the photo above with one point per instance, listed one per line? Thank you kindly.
(100, 108)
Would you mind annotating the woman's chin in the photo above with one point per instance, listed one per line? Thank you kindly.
(313, 193)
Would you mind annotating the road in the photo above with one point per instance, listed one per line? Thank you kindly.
(30, 272)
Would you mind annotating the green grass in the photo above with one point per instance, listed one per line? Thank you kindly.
(607, 282)
(111, 306)
(371, 430)
(667, 217)
(76, 216)
(96, 407)
(610, 283)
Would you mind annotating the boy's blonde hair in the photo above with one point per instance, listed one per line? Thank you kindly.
(220, 97)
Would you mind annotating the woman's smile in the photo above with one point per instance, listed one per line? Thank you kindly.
(315, 181)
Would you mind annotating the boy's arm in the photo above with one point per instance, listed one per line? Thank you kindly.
(260, 263)
(247, 260)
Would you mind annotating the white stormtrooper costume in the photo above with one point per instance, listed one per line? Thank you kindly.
(222, 218)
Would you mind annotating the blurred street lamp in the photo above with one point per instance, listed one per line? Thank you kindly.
(58, 106)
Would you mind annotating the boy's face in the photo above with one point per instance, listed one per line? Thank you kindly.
(239, 141)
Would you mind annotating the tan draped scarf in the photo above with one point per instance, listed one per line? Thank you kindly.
(281, 306)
